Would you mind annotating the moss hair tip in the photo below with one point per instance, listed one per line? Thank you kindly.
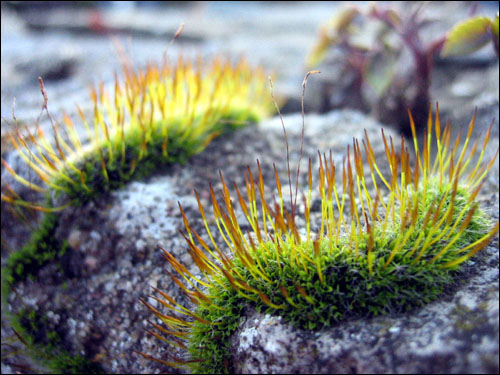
(151, 117)
(376, 252)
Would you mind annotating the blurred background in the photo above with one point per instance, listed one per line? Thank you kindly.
(72, 45)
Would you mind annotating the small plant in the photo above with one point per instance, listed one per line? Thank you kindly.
(387, 62)
(371, 253)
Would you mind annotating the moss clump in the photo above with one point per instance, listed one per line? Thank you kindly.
(138, 163)
(44, 345)
(372, 253)
(347, 288)
(42, 248)
(159, 115)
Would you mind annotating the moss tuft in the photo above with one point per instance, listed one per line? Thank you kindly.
(42, 248)
(373, 254)
(155, 116)
(44, 345)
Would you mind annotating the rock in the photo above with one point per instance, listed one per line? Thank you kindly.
(117, 236)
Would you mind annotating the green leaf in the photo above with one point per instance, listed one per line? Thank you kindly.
(494, 27)
(494, 32)
(467, 37)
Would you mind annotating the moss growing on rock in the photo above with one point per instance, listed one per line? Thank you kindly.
(44, 344)
(374, 253)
